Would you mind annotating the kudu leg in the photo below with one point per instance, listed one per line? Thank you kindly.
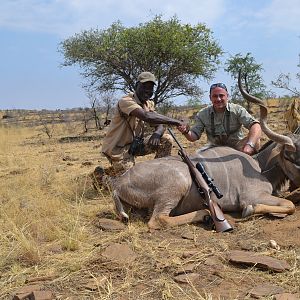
(163, 220)
(272, 204)
(119, 209)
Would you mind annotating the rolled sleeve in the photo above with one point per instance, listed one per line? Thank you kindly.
(127, 105)
(198, 128)
(245, 118)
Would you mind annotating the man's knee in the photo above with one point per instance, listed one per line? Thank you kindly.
(119, 167)
(165, 146)
(167, 139)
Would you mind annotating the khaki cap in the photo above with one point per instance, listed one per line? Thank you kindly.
(146, 76)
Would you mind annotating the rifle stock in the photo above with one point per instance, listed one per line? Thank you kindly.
(221, 224)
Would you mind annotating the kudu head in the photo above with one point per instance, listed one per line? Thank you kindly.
(279, 138)
(290, 161)
(288, 147)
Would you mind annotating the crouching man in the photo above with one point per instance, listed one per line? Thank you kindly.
(125, 137)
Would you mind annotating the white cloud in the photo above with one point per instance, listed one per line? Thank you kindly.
(282, 15)
(276, 16)
(32, 15)
(65, 17)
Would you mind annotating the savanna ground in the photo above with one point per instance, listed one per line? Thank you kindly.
(50, 231)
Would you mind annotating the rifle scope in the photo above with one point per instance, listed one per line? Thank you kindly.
(208, 180)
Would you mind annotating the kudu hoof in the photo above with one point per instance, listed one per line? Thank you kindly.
(208, 221)
(247, 211)
(124, 217)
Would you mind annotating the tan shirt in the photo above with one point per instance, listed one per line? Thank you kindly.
(238, 117)
(119, 135)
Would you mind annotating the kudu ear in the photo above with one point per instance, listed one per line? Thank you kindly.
(275, 153)
(290, 163)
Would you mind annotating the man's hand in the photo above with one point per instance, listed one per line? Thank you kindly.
(183, 128)
(154, 140)
(248, 150)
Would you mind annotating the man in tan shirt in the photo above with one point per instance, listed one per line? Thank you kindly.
(222, 121)
(133, 110)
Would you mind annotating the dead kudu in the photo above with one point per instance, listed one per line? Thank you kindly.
(165, 185)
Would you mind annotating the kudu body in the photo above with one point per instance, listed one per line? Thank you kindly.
(166, 187)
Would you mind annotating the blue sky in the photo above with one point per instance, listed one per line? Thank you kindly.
(31, 76)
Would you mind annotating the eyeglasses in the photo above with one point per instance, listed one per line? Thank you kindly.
(219, 84)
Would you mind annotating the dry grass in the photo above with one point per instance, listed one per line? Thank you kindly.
(41, 209)
(47, 213)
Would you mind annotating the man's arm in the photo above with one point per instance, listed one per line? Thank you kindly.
(254, 133)
(189, 135)
(152, 117)
(157, 134)
(159, 129)
(252, 138)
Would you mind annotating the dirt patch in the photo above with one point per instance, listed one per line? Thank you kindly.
(168, 265)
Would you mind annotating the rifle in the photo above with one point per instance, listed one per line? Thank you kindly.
(205, 186)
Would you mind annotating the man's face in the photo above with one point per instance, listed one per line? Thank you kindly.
(144, 90)
(219, 98)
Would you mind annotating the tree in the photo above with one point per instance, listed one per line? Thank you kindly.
(47, 124)
(107, 102)
(252, 79)
(178, 54)
(94, 102)
(194, 103)
(100, 103)
(283, 81)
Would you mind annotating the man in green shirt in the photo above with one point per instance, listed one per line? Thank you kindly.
(223, 121)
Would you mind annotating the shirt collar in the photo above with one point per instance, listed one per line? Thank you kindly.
(137, 100)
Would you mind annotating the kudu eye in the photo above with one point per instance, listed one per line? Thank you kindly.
(289, 155)
(293, 157)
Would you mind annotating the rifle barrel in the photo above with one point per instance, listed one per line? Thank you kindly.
(175, 139)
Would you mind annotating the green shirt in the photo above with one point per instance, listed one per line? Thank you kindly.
(216, 126)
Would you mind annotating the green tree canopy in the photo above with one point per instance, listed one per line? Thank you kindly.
(252, 79)
(178, 54)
